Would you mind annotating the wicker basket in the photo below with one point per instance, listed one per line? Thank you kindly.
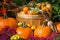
(36, 20)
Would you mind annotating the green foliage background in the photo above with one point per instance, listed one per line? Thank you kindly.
(55, 5)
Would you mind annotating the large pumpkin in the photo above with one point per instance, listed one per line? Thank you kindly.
(24, 32)
(57, 26)
(42, 31)
(8, 22)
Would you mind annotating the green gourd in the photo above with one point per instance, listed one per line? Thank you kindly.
(16, 37)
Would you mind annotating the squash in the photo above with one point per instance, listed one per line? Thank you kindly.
(16, 37)
(42, 31)
(25, 9)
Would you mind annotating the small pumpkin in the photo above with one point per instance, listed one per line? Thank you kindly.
(8, 22)
(42, 31)
(25, 9)
(58, 26)
(24, 32)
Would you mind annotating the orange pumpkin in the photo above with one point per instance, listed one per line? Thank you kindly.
(8, 22)
(24, 32)
(58, 26)
(42, 31)
(25, 9)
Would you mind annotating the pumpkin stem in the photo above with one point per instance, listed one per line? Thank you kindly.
(44, 24)
(24, 25)
(4, 12)
(5, 15)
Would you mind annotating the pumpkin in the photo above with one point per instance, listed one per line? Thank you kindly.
(57, 26)
(5, 21)
(24, 32)
(8, 22)
(25, 9)
(42, 31)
